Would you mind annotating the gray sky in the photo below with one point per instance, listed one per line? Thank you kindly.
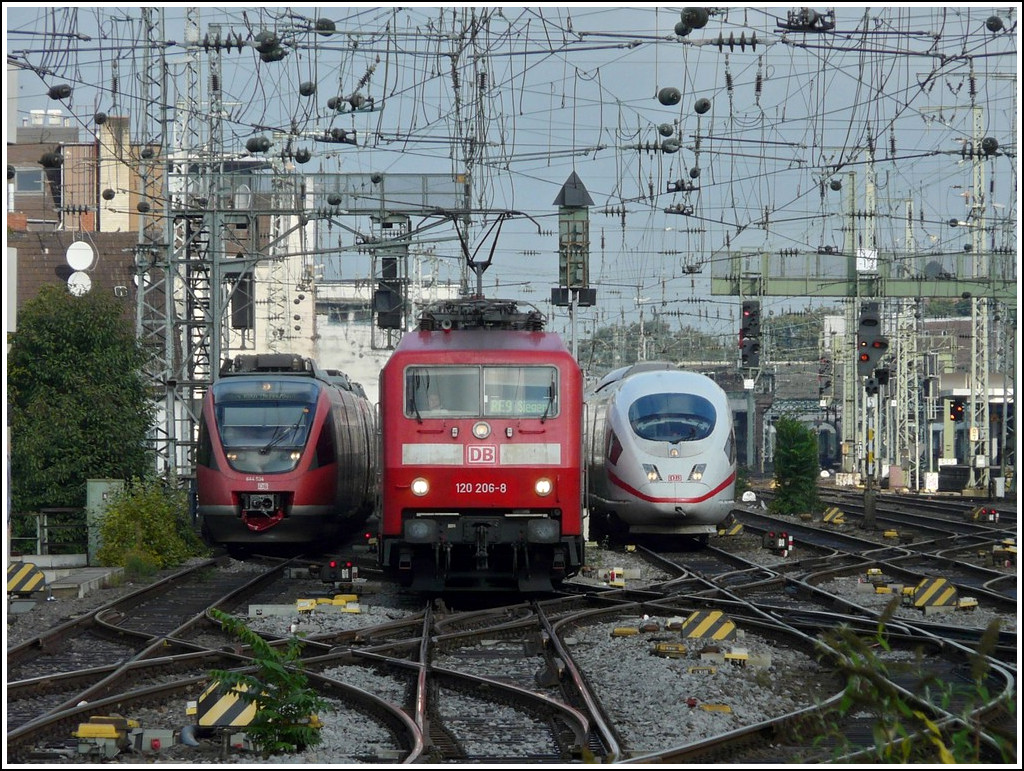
(600, 90)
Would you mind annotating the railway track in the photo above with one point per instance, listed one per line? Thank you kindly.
(539, 679)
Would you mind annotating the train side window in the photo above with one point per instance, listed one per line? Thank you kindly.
(204, 448)
(326, 452)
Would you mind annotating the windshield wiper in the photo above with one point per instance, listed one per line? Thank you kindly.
(280, 434)
(551, 400)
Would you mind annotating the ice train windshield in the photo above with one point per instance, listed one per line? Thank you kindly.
(672, 417)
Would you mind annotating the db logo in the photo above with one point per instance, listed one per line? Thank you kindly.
(480, 453)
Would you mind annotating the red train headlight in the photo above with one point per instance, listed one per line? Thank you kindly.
(543, 486)
(420, 486)
(481, 430)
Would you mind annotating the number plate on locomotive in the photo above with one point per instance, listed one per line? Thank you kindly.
(481, 488)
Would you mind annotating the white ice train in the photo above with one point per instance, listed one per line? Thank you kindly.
(660, 453)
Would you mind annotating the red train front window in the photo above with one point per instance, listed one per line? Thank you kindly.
(264, 424)
(485, 391)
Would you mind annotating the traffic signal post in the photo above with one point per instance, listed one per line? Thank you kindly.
(872, 345)
(750, 361)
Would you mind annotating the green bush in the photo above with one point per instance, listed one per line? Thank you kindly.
(287, 707)
(147, 523)
(796, 469)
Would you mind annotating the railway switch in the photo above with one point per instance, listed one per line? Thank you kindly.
(669, 650)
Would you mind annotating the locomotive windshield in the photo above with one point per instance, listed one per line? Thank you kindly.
(672, 417)
(491, 391)
(264, 415)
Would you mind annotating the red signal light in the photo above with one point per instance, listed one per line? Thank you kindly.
(332, 564)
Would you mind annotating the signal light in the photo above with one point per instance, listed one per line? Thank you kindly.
(750, 353)
(871, 344)
(334, 571)
(956, 410)
(750, 321)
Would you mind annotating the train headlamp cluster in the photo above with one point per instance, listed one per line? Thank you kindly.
(653, 475)
(543, 486)
(481, 430)
(420, 486)
(697, 472)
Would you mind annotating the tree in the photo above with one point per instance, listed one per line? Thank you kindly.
(796, 469)
(77, 399)
(616, 346)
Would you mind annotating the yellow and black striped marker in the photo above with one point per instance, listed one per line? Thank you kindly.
(934, 591)
(221, 706)
(732, 528)
(833, 516)
(709, 623)
(24, 578)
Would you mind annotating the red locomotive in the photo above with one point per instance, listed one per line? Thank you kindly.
(482, 478)
(287, 455)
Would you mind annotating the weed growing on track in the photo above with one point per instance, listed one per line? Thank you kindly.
(286, 707)
(905, 731)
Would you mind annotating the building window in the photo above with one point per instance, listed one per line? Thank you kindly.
(28, 181)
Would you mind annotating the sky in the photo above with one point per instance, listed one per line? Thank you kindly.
(726, 137)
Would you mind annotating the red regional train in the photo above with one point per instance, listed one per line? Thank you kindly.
(482, 480)
(287, 456)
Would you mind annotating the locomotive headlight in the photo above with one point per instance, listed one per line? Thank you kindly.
(481, 430)
(420, 486)
(697, 472)
(232, 456)
(543, 486)
(653, 475)
(295, 455)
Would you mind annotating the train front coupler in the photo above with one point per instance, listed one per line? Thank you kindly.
(261, 511)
